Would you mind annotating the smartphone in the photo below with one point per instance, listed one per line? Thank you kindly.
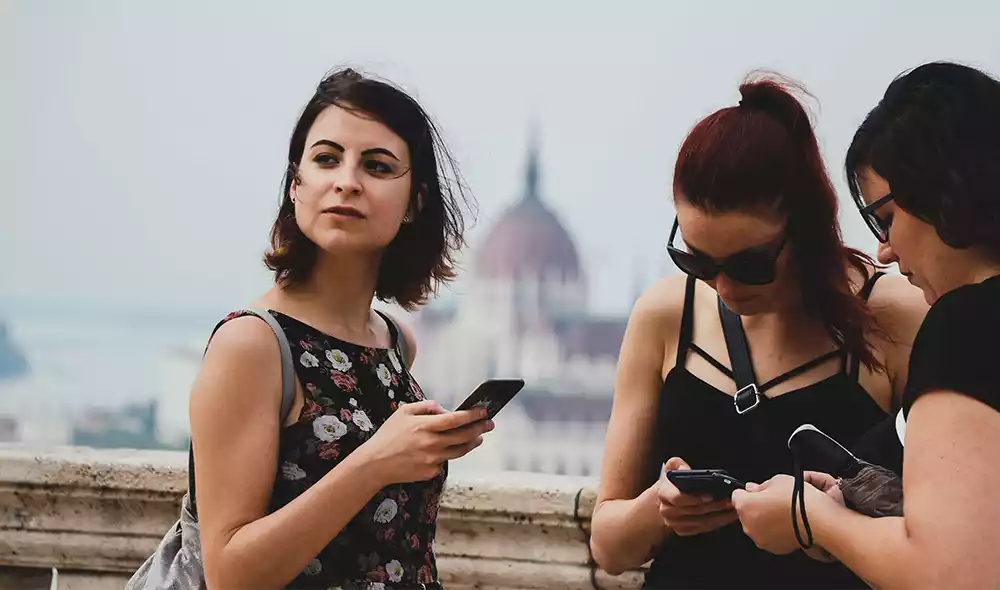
(715, 482)
(492, 394)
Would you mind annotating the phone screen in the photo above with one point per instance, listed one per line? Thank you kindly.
(492, 394)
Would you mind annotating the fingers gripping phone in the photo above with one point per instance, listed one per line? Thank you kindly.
(715, 482)
(492, 394)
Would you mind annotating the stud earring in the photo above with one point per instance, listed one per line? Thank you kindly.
(406, 218)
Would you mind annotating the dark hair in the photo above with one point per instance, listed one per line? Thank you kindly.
(763, 154)
(422, 254)
(935, 138)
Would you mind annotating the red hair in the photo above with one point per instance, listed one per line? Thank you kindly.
(763, 154)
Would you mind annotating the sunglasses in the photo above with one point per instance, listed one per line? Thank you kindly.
(879, 226)
(755, 266)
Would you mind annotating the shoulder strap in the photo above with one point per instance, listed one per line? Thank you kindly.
(866, 291)
(736, 344)
(748, 394)
(687, 323)
(287, 381)
(396, 335)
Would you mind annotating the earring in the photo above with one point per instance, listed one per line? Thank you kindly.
(406, 218)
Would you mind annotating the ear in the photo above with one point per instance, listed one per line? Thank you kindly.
(417, 205)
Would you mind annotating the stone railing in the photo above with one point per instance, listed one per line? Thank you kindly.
(95, 515)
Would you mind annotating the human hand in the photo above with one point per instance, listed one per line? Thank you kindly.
(416, 441)
(688, 514)
(830, 486)
(765, 510)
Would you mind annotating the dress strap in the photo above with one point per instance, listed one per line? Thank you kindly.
(687, 323)
(866, 290)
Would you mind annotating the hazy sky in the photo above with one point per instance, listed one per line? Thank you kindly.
(143, 142)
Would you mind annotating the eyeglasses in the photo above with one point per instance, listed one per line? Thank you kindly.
(755, 266)
(880, 227)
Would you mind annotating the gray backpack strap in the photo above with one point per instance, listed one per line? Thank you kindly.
(287, 364)
(287, 380)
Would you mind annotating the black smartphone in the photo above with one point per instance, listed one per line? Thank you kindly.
(492, 394)
(715, 482)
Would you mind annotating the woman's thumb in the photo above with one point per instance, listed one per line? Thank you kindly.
(424, 407)
(676, 463)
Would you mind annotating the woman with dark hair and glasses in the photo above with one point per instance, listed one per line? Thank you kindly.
(786, 325)
(924, 168)
(344, 491)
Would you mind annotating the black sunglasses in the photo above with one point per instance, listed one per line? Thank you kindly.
(750, 267)
(879, 226)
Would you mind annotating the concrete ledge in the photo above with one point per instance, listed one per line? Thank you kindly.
(95, 515)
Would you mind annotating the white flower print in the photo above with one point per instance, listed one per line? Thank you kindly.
(338, 359)
(308, 360)
(392, 394)
(292, 471)
(329, 428)
(395, 570)
(313, 568)
(376, 586)
(395, 361)
(384, 375)
(361, 420)
(386, 511)
(353, 402)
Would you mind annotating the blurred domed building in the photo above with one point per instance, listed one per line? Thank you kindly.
(524, 313)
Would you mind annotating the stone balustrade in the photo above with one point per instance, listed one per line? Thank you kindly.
(95, 515)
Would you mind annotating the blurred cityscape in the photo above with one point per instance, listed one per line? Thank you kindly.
(524, 313)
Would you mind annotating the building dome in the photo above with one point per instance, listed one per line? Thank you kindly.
(528, 242)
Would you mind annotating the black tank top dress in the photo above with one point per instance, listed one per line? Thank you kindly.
(700, 424)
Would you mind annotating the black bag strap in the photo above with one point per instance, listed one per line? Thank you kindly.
(747, 393)
(396, 334)
(287, 381)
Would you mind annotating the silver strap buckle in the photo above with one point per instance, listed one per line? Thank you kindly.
(740, 399)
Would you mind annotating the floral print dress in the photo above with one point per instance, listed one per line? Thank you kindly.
(350, 391)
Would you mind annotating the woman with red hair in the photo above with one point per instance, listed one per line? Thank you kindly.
(774, 323)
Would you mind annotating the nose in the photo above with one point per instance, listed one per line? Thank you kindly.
(885, 254)
(347, 181)
(725, 287)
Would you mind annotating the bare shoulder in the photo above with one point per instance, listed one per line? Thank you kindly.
(242, 356)
(663, 301)
(409, 339)
(898, 307)
(656, 316)
(247, 337)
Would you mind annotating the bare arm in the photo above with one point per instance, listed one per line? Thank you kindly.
(899, 309)
(234, 423)
(949, 536)
(627, 527)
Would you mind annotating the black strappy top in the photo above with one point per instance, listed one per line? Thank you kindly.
(700, 424)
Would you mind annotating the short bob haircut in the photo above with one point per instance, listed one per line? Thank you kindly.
(935, 138)
(422, 254)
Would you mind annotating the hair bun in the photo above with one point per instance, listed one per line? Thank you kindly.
(776, 96)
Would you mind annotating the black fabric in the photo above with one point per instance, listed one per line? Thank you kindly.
(881, 446)
(958, 346)
(698, 423)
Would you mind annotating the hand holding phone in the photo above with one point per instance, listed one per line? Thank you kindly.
(697, 508)
(492, 394)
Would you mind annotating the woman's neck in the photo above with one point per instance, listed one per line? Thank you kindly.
(339, 292)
